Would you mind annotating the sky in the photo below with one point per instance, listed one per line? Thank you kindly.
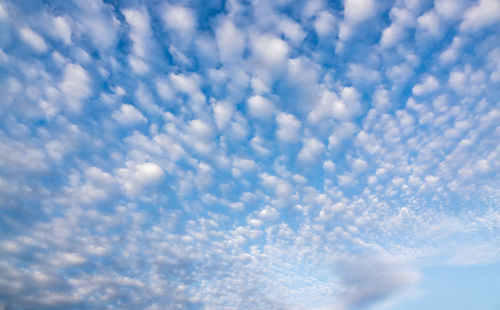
(250, 154)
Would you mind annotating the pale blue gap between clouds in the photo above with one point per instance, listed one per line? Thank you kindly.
(248, 154)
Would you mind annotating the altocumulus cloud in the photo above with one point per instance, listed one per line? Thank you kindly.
(244, 155)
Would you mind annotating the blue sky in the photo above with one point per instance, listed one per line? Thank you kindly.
(254, 154)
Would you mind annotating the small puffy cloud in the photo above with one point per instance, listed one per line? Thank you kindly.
(359, 165)
(76, 85)
(223, 112)
(449, 9)
(292, 30)
(329, 166)
(325, 23)
(33, 39)
(243, 165)
(67, 260)
(180, 19)
(128, 115)
(135, 177)
(288, 127)
(270, 51)
(402, 19)
(96, 19)
(429, 24)
(268, 213)
(347, 179)
(381, 100)
(484, 14)
(311, 150)
(330, 105)
(138, 65)
(428, 85)
(230, 41)
(62, 29)
(356, 11)
(138, 21)
(260, 107)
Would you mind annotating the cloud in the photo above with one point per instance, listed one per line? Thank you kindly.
(128, 115)
(135, 177)
(372, 278)
(260, 107)
(76, 85)
(356, 11)
(428, 85)
(486, 13)
(97, 21)
(230, 40)
(33, 39)
(180, 19)
(62, 29)
(311, 150)
(288, 127)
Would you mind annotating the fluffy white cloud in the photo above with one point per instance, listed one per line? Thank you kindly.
(484, 14)
(76, 85)
(356, 11)
(62, 29)
(135, 177)
(428, 85)
(223, 112)
(128, 115)
(33, 39)
(180, 19)
(311, 150)
(268, 213)
(260, 107)
(325, 23)
(97, 21)
(230, 41)
(270, 51)
(288, 127)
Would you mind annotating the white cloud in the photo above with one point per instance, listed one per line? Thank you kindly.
(270, 51)
(329, 166)
(292, 30)
(429, 23)
(268, 213)
(135, 177)
(402, 19)
(330, 105)
(97, 21)
(140, 30)
(33, 39)
(428, 85)
(288, 127)
(381, 100)
(356, 11)
(180, 19)
(260, 107)
(223, 112)
(230, 41)
(62, 29)
(3, 12)
(449, 9)
(128, 115)
(324, 24)
(76, 85)
(484, 14)
(311, 150)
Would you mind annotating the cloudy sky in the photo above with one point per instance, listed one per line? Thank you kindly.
(249, 154)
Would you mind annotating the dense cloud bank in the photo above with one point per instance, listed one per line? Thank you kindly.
(244, 154)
